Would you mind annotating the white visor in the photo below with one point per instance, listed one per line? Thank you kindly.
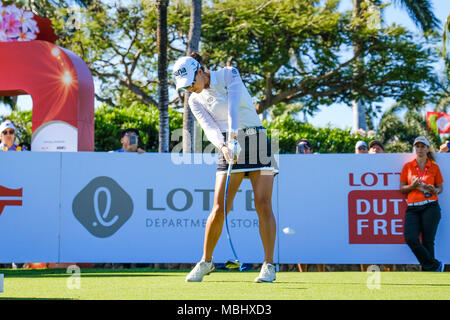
(423, 140)
(184, 71)
(7, 124)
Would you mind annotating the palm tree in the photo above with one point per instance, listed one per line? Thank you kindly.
(398, 134)
(445, 34)
(443, 98)
(420, 11)
(193, 45)
(163, 90)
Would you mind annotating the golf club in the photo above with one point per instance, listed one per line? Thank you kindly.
(230, 264)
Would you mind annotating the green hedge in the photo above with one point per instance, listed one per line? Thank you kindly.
(109, 121)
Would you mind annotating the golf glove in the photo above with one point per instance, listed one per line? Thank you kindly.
(234, 149)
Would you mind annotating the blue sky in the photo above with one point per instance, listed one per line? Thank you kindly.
(338, 115)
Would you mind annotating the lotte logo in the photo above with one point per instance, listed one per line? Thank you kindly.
(102, 207)
(10, 197)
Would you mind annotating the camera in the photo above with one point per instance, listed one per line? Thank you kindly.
(424, 190)
(133, 139)
(301, 148)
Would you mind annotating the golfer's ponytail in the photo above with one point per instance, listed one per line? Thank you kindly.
(197, 57)
(430, 156)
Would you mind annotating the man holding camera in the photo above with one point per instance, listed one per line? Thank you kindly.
(304, 147)
(129, 139)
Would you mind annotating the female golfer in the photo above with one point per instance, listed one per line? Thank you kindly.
(224, 109)
(421, 179)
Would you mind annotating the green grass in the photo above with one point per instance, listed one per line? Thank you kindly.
(151, 284)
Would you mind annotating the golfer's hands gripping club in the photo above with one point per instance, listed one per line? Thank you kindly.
(231, 151)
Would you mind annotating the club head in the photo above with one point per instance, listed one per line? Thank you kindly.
(230, 264)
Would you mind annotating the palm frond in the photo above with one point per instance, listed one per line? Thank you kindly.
(421, 13)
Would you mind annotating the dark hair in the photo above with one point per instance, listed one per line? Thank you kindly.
(125, 131)
(197, 57)
(306, 142)
(430, 156)
(376, 142)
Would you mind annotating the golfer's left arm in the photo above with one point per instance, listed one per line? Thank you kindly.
(234, 86)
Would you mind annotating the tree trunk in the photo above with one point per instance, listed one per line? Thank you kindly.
(163, 95)
(193, 45)
(359, 109)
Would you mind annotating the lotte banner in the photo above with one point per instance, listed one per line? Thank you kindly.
(77, 206)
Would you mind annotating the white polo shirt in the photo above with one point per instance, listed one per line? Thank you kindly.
(225, 106)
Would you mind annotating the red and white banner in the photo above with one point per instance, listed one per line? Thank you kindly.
(77, 206)
(438, 122)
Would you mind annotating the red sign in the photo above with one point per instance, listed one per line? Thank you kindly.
(376, 216)
(9, 193)
(438, 122)
(59, 82)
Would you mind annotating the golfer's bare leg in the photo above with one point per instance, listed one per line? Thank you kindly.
(262, 182)
(214, 224)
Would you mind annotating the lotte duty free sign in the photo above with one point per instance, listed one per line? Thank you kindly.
(376, 216)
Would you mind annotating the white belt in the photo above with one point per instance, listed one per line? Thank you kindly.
(421, 203)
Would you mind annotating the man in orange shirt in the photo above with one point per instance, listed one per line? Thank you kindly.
(422, 180)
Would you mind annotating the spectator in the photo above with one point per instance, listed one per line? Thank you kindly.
(8, 137)
(421, 180)
(361, 147)
(305, 147)
(128, 135)
(376, 146)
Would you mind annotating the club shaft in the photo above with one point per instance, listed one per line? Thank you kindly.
(230, 167)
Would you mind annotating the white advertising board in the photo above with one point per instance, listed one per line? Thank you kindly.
(122, 207)
(347, 208)
(29, 206)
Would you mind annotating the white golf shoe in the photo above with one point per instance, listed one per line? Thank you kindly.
(200, 270)
(267, 273)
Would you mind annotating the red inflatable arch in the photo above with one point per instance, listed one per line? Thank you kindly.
(61, 86)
